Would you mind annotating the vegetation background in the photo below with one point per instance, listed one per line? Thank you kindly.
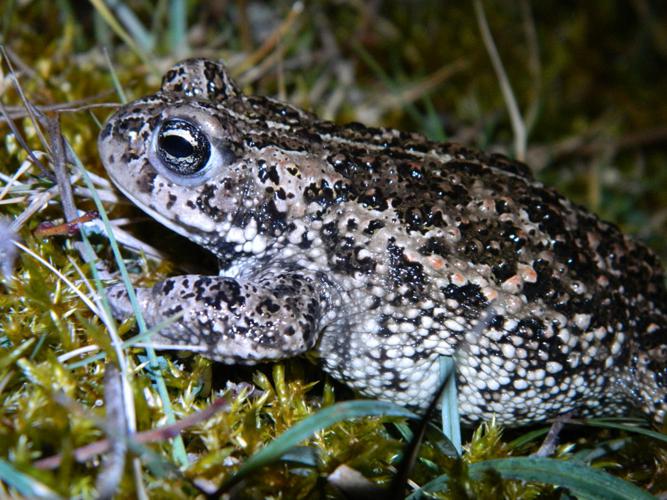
(589, 80)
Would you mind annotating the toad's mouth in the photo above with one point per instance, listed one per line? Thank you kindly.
(171, 220)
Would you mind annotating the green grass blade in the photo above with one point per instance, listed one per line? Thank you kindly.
(143, 37)
(114, 78)
(608, 424)
(178, 36)
(528, 437)
(601, 449)
(306, 428)
(451, 422)
(24, 484)
(179, 447)
(586, 482)
(580, 480)
(131, 342)
(115, 26)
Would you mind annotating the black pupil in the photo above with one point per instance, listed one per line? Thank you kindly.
(182, 147)
(176, 146)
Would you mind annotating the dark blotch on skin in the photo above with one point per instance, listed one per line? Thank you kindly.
(471, 301)
(373, 226)
(145, 179)
(404, 272)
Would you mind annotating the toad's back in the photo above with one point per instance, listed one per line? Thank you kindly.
(381, 251)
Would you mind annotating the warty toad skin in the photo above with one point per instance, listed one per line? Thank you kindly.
(380, 251)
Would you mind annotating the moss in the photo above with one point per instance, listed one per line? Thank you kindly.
(596, 135)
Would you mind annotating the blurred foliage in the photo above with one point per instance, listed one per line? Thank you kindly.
(589, 78)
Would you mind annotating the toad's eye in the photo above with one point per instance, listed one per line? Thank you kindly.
(182, 147)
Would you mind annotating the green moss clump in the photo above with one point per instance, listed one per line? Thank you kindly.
(593, 100)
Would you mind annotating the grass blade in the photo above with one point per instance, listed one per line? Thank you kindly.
(608, 424)
(580, 480)
(586, 482)
(451, 422)
(25, 485)
(306, 428)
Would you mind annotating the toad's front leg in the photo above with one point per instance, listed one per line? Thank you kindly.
(273, 315)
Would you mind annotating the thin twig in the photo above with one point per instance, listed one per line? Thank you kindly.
(548, 446)
(32, 112)
(22, 142)
(273, 39)
(592, 143)
(534, 65)
(76, 106)
(60, 275)
(516, 119)
(58, 152)
(422, 87)
(155, 435)
(25, 68)
(37, 203)
(116, 426)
